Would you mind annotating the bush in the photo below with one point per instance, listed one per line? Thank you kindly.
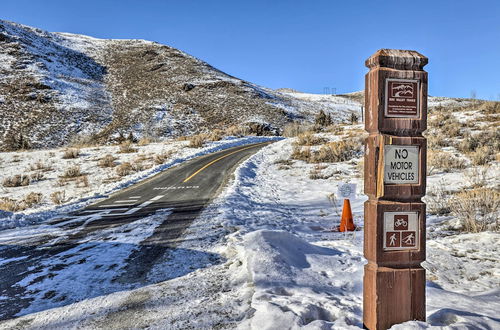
(71, 153)
(16, 181)
(309, 139)
(58, 197)
(197, 141)
(126, 148)
(295, 128)
(323, 119)
(477, 209)
(82, 181)
(33, 198)
(11, 205)
(304, 154)
(161, 158)
(72, 172)
(124, 169)
(40, 166)
(481, 156)
(107, 161)
(338, 151)
(437, 159)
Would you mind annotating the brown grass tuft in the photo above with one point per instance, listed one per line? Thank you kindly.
(17, 180)
(124, 169)
(107, 161)
(72, 172)
(58, 197)
(127, 148)
(71, 153)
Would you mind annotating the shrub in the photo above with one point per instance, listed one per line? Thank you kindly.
(161, 158)
(40, 166)
(11, 205)
(482, 155)
(323, 119)
(316, 173)
(124, 169)
(338, 151)
(477, 209)
(144, 141)
(126, 148)
(300, 153)
(17, 180)
(215, 135)
(33, 198)
(196, 141)
(437, 159)
(37, 176)
(295, 128)
(58, 197)
(82, 181)
(107, 161)
(72, 172)
(309, 139)
(71, 153)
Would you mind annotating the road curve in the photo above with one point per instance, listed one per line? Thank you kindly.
(185, 190)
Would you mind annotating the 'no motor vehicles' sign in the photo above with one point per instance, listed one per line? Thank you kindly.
(401, 164)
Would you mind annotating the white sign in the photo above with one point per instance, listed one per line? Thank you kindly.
(346, 190)
(401, 164)
(401, 231)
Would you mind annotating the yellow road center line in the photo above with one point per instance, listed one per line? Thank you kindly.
(216, 160)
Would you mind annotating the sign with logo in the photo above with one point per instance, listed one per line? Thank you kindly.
(401, 231)
(401, 164)
(402, 98)
(346, 190)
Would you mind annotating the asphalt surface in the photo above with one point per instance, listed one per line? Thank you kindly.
(185, 190)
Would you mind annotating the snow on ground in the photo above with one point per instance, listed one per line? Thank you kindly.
(263, 256)
(101, 181)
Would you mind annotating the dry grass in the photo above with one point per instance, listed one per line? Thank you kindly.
(162, 157)
(338, 151)
(71, 153)
(40, 166)
(437, 159)
(309, 139)
(295, 128)
(124, 169)
(477, 209)
(72, 172)
(107, 161)
(316, 173)
(58, 197)
(144, 142)
(33, 198)
(330, 152)
(127, 148)
(82, 181)
(197, 141)
(11, 205)
(17, 180)
(482, 156)
(37, 176)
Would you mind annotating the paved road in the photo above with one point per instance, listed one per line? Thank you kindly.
(41, 257)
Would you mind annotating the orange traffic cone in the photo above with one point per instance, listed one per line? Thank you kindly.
(346, 222)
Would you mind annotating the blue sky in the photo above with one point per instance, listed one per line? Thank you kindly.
(305, 45)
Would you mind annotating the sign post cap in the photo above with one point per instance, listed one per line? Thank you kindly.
(397, 59)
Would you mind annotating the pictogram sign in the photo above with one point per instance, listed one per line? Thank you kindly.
(402, 98)
(401, 164)
(401, 231)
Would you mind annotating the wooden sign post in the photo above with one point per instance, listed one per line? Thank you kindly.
(395, 181)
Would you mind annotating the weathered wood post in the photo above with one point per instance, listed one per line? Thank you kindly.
(395, 181)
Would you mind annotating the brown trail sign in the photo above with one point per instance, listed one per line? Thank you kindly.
(395, 182)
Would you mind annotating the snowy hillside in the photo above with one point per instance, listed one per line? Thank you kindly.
(57, 88)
